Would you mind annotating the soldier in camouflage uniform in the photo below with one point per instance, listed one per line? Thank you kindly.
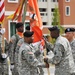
(70, 36)
(19, 43)
(36, 46)
(3, 56)
(27, 62)
(13, 41)
(39, 55)
(63, 59)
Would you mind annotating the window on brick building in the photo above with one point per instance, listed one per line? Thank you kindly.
(42, 0)
(67, 10)
(67, 0)
(44, 23)
(13, 1)
(53, 0)
(12, 28)
(43, 14)
(42, 9)
(52, 9)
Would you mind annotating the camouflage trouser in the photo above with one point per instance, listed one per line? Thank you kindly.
(15, 71)
(3, 69)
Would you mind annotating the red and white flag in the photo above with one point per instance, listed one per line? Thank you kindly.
(2, 11)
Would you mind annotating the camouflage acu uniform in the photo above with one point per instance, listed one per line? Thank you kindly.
(72, 44)
(63, 59)
(39, 56)
(3, 64)
(27, 63)
(19, 43)
(12, 46)
(4, 68)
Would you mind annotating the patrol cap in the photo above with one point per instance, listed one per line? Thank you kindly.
(27, 27)
(69, 30)
(19, 24)
(53, 28)
(28, 33)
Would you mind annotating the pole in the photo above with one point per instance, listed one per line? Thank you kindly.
(24, 12)
(45, 57)
(3, 44)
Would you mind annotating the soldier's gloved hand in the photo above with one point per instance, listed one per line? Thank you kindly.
(46, 60)
(11, 67)
(3, 56)
(47, 65)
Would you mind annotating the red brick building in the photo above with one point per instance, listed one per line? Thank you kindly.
(67, 13)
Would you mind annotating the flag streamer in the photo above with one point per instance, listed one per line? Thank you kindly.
(24, 12)
(18, 13)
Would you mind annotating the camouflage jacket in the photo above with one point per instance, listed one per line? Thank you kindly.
(12, 46)
(27, 62)
(63, 59)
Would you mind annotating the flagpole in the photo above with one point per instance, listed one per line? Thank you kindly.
(24, 12)
(45, 52)
(45, 57)
(3, 51)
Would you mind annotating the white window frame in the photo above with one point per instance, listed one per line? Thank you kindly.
(67, 1)
(24, 24)
(9, 27)
(11, 1)
(66, 11)
(16, 22)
